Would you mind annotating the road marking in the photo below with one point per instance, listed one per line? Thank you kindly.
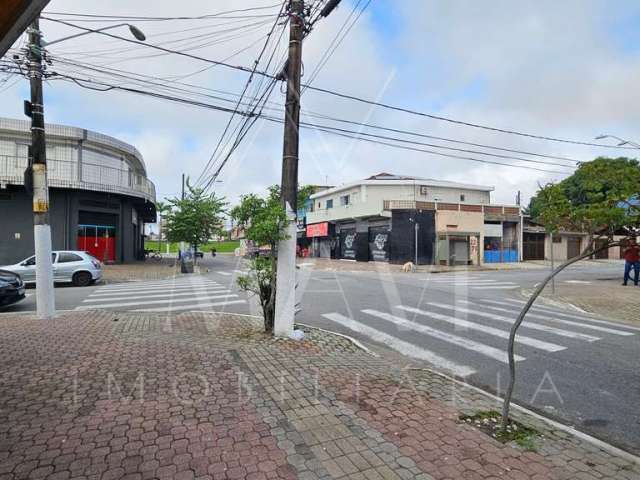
(477, 347)
(401, 346)
(154, 286)
(577, 316)
(532, 342)
(197, 293)
(497, 287)
(152, 302)
(226, 274)
(462, 280)
(189, 307)
(155, 290)
(533, 326)
(612, 331)
(582, 282)
(241, 272)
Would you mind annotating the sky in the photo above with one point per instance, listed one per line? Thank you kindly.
(565, 69)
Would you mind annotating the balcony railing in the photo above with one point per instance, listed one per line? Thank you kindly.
(82, 176)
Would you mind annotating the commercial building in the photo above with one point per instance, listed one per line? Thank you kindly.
(99, 196)
(393, 218)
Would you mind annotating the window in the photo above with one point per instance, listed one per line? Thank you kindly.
(329, 203)
(32, 260)
(557, 239)
(66, 257)
(344, 200)
(423, 190)
(462, 197)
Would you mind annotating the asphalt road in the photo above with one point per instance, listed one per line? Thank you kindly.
(580, 370)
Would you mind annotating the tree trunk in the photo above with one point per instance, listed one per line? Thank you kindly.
(588, 251)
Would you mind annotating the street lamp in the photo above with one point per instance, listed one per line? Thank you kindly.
(621, 141)
(135, 31)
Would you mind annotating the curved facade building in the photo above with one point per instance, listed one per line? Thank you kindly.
(99, 195)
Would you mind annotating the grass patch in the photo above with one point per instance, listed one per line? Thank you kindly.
(489, 423)
(226, 246)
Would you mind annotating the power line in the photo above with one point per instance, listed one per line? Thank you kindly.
(127, 75)
(304, 125)
(353, 97)
(151, 18)
(244, 90)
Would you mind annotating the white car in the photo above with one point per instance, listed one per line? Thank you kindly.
(79, 268)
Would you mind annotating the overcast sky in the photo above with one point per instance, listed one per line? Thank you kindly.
(566, 69)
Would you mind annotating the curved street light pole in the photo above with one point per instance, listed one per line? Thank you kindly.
(622, 142)
(135, 31)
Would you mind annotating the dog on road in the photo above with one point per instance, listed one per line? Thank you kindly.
(408, 267)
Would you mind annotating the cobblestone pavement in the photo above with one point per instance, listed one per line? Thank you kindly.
(102, 395)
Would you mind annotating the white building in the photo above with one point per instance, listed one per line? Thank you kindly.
(399, 218)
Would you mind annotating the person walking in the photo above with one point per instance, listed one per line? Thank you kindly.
(631, 261)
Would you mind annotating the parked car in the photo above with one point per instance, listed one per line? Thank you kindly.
(11, 288)
(79, 268)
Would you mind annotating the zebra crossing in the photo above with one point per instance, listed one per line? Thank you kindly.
(449, 335)
(472, 282)
(171, 295)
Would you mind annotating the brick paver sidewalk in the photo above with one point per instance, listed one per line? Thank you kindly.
(102, 395)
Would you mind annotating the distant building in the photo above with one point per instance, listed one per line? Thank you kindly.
(393, 218)
(100, 197)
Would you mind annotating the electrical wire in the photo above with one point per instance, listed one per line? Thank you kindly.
(358, 99)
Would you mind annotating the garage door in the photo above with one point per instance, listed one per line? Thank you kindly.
(533, 246)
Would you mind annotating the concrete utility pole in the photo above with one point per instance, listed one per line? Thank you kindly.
(45, 298)
(286, 270)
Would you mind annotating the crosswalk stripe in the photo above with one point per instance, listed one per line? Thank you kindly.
(175, 308)
(192, 293)
(400, 345)
(532, 326)
(145, 291)
(144, 302)
(155, 287)
(576, 316)
(226, 274)
(464, 280)
(477, 347)
(497, 287)
(598, 328)
(496, 332)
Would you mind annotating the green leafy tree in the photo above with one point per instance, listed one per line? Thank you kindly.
(162, 208)
(196, 218)
(264, 220)
(600, 199)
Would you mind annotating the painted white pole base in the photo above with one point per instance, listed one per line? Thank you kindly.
(45, 296)
(286, 284)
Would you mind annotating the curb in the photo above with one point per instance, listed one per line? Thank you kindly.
(601, 444)
(357, 343)
(613, 450)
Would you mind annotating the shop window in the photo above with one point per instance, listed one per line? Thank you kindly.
(329, 204)
(344, 200)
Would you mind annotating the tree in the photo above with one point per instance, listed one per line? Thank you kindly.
(600, 199)
(162, 208)
(196, 218)
(264, 221)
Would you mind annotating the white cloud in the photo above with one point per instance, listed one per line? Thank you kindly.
(554, 68)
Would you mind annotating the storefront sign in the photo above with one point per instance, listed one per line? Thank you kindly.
(318, 230)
